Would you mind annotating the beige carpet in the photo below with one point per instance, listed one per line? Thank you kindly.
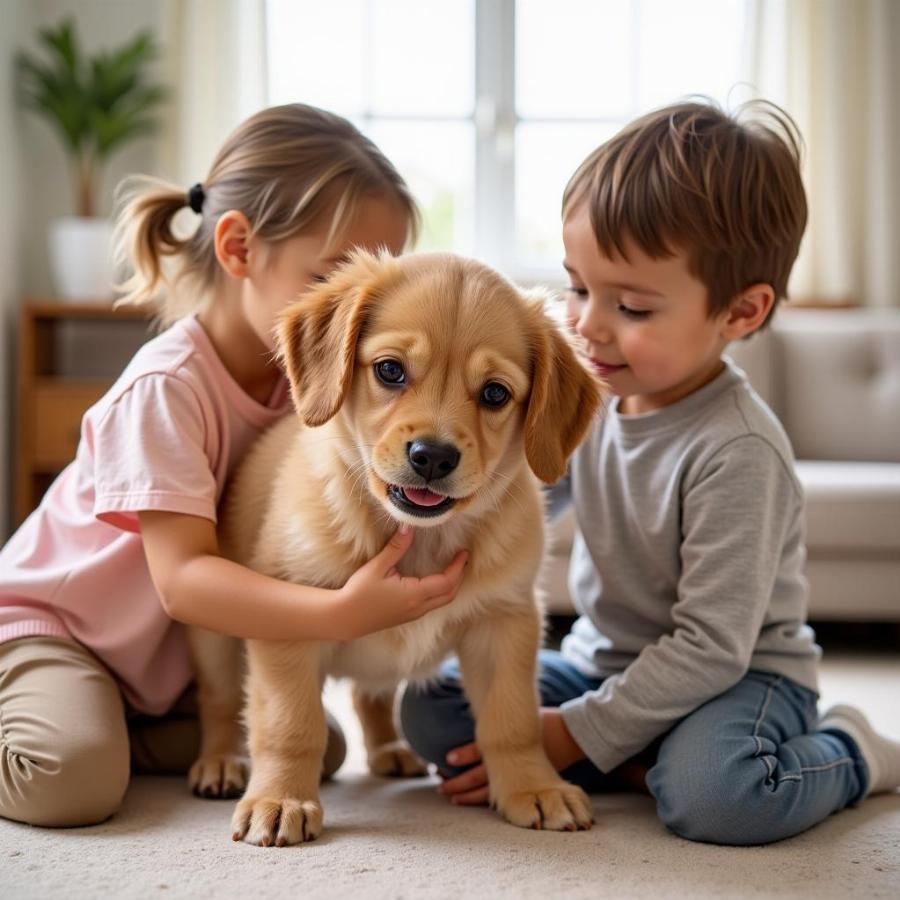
(387, 839)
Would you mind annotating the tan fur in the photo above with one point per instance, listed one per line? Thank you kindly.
(222, 767)
(310, 505)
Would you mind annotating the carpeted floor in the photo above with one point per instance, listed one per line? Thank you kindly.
(391, 839)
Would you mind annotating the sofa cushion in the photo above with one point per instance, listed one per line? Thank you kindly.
(839, 383)
(833, 379)
(852, 505)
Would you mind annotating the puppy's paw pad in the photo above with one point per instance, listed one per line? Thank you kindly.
(557, 808)
(396, 760)
(267, 822)
(218, 775)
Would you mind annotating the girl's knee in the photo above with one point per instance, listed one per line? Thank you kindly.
(82, 785)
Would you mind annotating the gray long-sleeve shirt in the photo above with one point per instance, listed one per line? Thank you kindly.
(687, 570)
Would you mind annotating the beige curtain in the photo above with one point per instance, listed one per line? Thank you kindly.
(834, 66)
(214, 56)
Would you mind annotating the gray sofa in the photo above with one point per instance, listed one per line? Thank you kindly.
(833, 378)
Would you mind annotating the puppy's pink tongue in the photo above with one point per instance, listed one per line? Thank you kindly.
(422, 496)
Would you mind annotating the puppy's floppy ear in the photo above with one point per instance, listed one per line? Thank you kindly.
(317, 335)
(565, 395)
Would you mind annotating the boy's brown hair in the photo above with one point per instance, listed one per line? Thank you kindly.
(690, 177)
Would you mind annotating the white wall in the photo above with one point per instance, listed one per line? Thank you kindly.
(99, 24)
(13, 16)
(34, 174)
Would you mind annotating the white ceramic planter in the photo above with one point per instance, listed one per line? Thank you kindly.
(81, 258)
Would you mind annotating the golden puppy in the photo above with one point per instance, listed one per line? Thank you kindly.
(431, 391)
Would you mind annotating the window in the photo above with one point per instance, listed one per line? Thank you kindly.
(487, 106)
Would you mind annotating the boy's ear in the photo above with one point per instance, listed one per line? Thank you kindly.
(317, 335)
(231, 239)
(564, 399)
(748, 311)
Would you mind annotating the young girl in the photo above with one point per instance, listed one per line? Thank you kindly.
(125, 541)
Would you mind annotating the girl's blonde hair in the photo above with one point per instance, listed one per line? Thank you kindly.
(283, 168)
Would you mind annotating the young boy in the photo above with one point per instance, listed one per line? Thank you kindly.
(691, 655)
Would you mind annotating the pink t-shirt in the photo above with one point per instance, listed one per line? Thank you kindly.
(165, 437)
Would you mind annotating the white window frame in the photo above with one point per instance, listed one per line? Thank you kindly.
(496, 124)
(495, 121)
(495, 133)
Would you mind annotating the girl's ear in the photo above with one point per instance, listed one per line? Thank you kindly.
(231, 240)
(317, 335)
(748, 311)
(565, 396)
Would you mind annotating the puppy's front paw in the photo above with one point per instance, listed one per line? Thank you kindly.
(396, 760)
(557, 807)
(219, 775)
(266, 821)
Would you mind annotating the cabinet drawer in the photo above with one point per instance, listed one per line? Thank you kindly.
(58, 409)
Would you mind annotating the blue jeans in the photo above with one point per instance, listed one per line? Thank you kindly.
(748, 767)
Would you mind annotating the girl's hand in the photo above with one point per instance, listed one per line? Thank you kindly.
(378, 597)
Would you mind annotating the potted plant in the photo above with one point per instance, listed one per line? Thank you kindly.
(97, 104)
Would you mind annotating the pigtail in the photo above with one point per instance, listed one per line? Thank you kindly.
(145, 237)
(287, 169)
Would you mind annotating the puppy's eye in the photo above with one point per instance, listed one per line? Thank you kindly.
(494, 395)
(390, 372)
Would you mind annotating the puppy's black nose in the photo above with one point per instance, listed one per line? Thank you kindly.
(432, 460)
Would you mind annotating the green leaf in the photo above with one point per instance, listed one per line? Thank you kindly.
(111, 130)
(98, 103)
(63, 44)
(57, 96)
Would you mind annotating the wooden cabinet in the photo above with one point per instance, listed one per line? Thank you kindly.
(68, 356)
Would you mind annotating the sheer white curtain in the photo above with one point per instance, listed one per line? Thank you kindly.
(833, 65)
(215, 58)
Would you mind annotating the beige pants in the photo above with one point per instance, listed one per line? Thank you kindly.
(68, 744)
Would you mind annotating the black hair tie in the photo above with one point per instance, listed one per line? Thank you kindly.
(195, 198)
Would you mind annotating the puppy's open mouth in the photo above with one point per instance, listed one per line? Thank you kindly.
(419, 501)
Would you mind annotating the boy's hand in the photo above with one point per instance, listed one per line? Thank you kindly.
(471, 787)
(376, 596)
